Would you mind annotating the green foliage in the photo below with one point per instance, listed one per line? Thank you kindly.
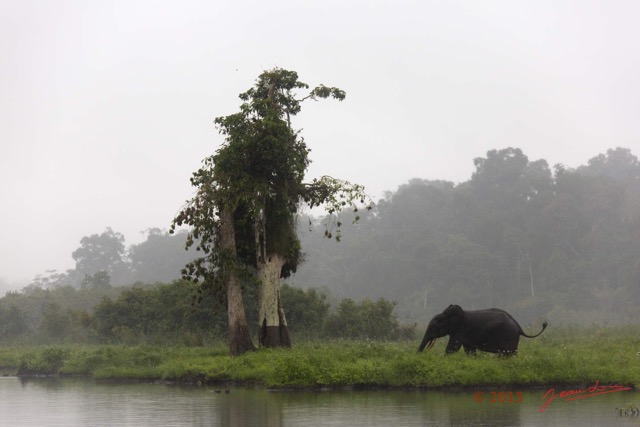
(570, 356)
(13, 322)
(157, 313)
(248, 192)
(307, 310)
(54, 358)
(538, 242)
(52, 279)
(46, 361)
(100, 252)
(100, 280)
(258, 174)
(179, 313)
(55, 322)
(367, 320)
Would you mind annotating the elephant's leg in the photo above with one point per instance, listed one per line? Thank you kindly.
(453, 345)
(469, 350)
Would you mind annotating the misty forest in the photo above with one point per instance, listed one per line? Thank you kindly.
(542, 242)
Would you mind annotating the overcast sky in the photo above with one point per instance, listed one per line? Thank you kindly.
(107, 107)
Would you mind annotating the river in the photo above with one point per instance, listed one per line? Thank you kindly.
(81, 402)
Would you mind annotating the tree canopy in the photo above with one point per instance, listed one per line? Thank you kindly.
(539, 241)
(248, 193)
(104, 259)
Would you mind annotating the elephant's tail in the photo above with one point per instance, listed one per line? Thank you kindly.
(544, 326)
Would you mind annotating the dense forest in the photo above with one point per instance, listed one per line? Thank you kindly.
(556, 243)
(168, 314)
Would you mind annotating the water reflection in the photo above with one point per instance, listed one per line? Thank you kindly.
(78, 402)
(407, 408)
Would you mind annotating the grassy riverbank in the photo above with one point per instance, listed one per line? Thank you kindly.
(565, 356)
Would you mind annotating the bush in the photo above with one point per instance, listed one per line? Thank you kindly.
(367, 320)
(13, 323)
(161, 314)
(180, 313)
(306, 310)
(46, 362)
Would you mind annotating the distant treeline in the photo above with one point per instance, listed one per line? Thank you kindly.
(558, 243)
(179, 313)
(562, 244)
(102, 260)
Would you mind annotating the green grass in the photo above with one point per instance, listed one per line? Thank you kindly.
(564, 356)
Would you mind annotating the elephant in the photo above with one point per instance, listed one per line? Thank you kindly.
(492, 330)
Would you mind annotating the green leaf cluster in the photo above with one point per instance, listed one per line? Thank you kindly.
(367, 320)
(258, 174)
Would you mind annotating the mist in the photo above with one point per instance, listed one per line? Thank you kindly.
(107, 107)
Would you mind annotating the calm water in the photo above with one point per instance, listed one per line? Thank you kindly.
(79, 402)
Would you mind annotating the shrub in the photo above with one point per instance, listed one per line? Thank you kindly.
(306, 310)
(367, 320)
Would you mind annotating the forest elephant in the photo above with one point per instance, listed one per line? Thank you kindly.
(491, 330)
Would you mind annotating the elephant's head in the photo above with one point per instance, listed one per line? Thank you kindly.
(446, 323)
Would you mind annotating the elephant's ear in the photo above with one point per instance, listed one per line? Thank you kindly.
(453, 311)
(454, 315)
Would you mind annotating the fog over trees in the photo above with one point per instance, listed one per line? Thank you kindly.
(539, 241)
(103, 260)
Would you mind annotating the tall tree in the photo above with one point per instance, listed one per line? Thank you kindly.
(101, 252)
(160, 257)
(243, 215)
(619, 164)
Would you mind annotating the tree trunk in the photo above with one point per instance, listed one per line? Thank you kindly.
(273, 329)
(530, 275)
(239, 338)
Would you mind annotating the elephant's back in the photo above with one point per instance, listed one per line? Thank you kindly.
(494, 318)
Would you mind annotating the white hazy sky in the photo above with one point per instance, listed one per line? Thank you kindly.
(106, 107)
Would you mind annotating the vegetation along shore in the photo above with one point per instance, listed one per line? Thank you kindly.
(566, 356)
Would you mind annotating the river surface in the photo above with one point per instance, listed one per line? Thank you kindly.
(82, 402)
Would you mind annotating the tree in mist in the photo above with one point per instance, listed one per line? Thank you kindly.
(100, 280)
(508, 191)
(13, 322)
(618, 164)
(101, 252)
(518, 235)
(159, 258)
(243, 214)
(51, 279)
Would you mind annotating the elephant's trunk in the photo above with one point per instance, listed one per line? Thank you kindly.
(426, 342)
